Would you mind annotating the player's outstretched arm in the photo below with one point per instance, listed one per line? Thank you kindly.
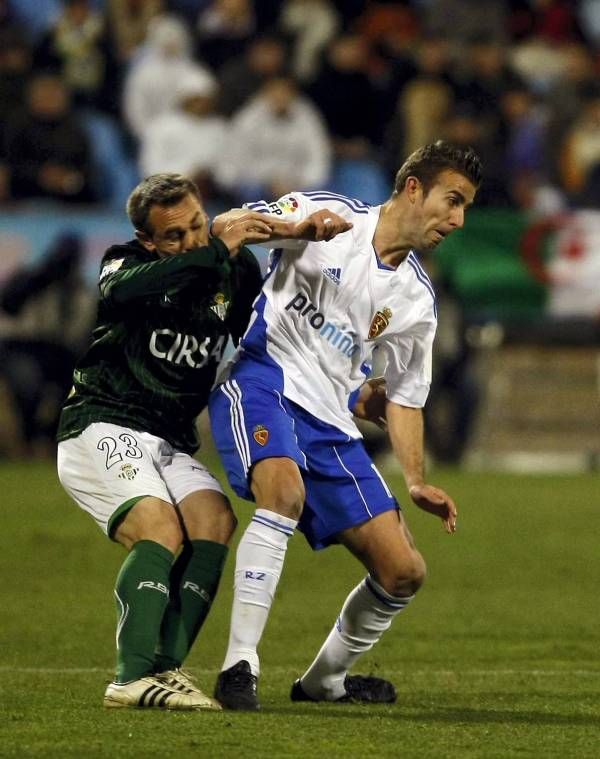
(320, 225)
(405, 427)
(245, 228)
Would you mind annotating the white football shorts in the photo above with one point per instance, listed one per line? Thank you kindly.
(108, 468)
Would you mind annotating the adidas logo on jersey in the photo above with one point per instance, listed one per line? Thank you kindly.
(335, 275)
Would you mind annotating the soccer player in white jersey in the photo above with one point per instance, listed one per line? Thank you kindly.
(282, 419)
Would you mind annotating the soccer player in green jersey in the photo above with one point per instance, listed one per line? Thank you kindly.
(169, 300)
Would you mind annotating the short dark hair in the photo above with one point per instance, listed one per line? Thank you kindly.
(157, 189)
(428, 162)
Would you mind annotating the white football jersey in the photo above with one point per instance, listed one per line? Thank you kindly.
(326, 306)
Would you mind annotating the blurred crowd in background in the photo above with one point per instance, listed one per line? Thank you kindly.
(254, 98)
(257, 97)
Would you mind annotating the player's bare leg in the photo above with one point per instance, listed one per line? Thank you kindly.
(279, 493)
(396, 571)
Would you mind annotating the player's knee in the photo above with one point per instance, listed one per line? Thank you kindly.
(279, 488)
(207, 515)
(164, 528)
(151, 519)
(289, 501)
(405, 576)
(229, 525)
(413, 573)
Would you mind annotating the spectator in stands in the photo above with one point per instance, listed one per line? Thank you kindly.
(34, 16)
(390, 30)
(309, 25)
(128, 24)
(224, 30)
(347, 99)
(150, 87)
(10, 24)
(15, 67)
(286, 138)
(549, 27)
(554, 21)
(242, 77)
(47, 313)
(46, 149)
(523, 136)
(565, 99)
(424, 104)
(461, 21)
(580, 150)
(452, 410)
(589, 20)
(464, 128)
(189, 139)
(590, 194)
(483, 73)
(77, 47)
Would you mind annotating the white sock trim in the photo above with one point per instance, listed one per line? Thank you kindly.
(394, 602)
(275, 521)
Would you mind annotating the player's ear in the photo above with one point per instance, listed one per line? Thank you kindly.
(145, 240)
(412, 188)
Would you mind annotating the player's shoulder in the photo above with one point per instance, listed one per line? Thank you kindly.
(423, 288)
(313, 200)
(341, 204)
(121, 256)
(130, 249)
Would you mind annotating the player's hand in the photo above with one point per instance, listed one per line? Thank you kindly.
(371, 402)
(320, 225)
(223, 219)
(240, 227)
(435, 501)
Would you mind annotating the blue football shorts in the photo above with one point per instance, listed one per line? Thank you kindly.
(251, 422)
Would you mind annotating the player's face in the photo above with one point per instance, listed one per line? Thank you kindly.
(176, 229)
(442, 210)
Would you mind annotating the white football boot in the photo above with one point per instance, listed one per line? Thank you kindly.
(154, 692)
(179, 679)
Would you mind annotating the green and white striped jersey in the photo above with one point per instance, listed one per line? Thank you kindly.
(162, 327)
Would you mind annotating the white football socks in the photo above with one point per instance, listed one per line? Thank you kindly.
(259, 561)
(366, 615)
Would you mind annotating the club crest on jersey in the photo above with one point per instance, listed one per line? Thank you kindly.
(380, 321)
(288, 205)
(334, 274)
(220, 306)
(128, 472)
(260, 434)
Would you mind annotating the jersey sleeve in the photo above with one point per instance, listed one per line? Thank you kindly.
(124, 278)
(408, 367)
(293, 207)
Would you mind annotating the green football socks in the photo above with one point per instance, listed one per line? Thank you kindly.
(142, 594)
(194, 581)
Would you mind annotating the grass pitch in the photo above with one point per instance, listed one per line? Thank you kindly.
(498, 656)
